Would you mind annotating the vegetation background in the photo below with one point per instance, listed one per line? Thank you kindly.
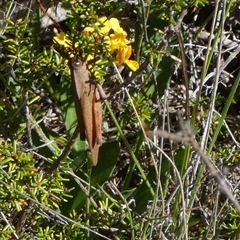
(169, 165)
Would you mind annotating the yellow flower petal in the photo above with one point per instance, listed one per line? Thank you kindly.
(104, 30)
(118, 40)
(128, 51)
(103, 19)
(114, 23)
(120, 58)
(117, 44)
(133, 65)
(87, 30)
(123, 54)
(119, 34)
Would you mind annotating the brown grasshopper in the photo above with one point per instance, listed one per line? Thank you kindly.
(88, 105)
(88, 95)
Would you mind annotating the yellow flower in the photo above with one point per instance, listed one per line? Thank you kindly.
(106, 26)
(62, 39)
(123, 56)
(116, 42)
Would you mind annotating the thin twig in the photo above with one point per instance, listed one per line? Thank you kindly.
(186, 137)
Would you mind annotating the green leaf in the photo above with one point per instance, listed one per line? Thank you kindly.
(143, 194)
(70, 118)
(108, 156)
(163, 78)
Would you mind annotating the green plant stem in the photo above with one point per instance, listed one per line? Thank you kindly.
(177, 203)
(141, 171)
(224, 112)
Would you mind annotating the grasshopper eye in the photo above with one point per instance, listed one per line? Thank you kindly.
(76, 63)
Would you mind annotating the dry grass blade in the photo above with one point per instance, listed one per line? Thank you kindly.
(186, 136)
